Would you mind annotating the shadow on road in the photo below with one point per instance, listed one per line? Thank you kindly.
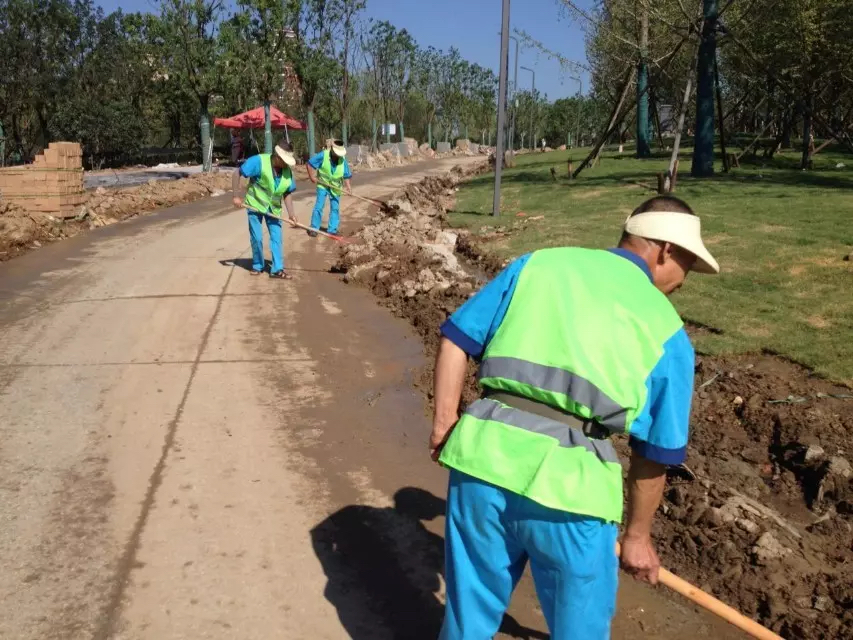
(383, 563)
(241, 263)
(246, 264)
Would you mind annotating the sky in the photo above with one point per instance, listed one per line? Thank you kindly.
(473, 27)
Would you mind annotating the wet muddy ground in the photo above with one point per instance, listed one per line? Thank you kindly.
(762, 514)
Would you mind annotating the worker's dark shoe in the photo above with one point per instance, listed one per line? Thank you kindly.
(312, 233)
(281, 275)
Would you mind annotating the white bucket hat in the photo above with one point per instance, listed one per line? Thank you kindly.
(287, 156)
(339, 148)
(681, 229)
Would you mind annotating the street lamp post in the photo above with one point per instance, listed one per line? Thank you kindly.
(532, 117)
(578, 117)
(504, 72)
(514, 92)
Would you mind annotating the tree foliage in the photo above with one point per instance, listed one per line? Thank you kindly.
(122, 82)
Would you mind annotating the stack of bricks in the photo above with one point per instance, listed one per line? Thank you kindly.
(53, 184)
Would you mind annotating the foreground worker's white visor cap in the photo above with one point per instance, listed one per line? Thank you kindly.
(681, 229)
(339, 149)
(287, 157)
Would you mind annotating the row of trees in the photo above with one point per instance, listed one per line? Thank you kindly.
(121, 82)
(736, 71)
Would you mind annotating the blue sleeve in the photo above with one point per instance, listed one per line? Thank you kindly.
(472, 325)
(251, 168)
(316, 160)
(347, 170)
(660, 431)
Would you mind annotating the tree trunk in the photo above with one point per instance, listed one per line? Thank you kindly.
(204, 129)
(643, 139)
(720, 115)
(703, 149)
(267, 128)
(615, 117)
(669, 179)
(312, 143)
(429, 134)
(344, 133)
(653, 105)
(787, 127)
(807, 131)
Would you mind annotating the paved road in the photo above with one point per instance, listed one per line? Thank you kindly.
(190, 452)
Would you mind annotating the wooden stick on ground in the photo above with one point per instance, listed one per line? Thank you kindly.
(709, 602)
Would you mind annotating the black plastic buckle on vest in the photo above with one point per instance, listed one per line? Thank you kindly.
(590, 428)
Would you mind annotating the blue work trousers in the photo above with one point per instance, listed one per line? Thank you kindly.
(334, 210)
(491, 534)
(256, 237)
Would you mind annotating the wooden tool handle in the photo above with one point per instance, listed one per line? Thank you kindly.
(709, 602)
(352, 195)
(340, 239)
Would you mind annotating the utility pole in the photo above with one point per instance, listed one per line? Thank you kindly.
(533, 105)
(504, 65)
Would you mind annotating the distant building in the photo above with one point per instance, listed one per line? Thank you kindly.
(290, 95)
(668, 122)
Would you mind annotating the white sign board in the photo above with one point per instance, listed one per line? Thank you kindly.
(389, 129)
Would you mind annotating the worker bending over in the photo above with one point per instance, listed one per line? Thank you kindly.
(575, 346)
(329, 170)
(271, 183)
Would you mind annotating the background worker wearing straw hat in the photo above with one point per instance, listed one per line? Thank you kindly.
(329, 168)
(575, 345)
(271, 183)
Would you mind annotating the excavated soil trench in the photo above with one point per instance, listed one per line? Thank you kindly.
(762, 515)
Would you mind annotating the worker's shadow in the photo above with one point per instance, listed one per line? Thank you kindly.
(246, 265)
(385, 570)
(240, 263)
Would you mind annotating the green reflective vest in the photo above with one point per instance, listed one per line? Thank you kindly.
(262, 195)
(331, 175)
(582, 333)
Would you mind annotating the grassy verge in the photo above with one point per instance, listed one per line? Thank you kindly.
(780, 235)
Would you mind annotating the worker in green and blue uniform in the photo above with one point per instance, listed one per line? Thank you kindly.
(271, 184)
(331, 172)
(575, 346)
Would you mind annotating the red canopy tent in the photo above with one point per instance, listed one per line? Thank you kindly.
(254, 119)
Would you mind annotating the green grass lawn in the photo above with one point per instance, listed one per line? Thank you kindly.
(780, 235)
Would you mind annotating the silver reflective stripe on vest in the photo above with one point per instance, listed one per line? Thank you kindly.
(567, 436)
(606, 411)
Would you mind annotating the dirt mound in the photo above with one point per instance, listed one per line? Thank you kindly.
(768, 524)
(22, 230)
(762, 516)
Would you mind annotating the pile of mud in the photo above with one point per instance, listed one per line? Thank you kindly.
(762, 514)
(393, 157)
(22, 230)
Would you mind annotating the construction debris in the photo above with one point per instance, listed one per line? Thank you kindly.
(52, 184)
(23, 229)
